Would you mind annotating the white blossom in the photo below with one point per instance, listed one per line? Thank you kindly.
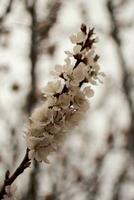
(76, 49)
(79, 73)
(77, 38)
(54, 87)
(65, 99)
(68, 53)
(65, 70)
(88, 91)
(67, 61)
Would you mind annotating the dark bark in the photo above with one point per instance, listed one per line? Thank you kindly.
(10, 179)
(31, 193)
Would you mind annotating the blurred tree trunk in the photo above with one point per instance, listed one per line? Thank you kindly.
(127, 89)
(38, 35)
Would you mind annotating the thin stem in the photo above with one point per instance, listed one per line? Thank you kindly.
(20, 169)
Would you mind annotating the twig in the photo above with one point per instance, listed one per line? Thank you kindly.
(10, 179)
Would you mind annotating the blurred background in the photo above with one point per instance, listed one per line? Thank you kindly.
(96, 162)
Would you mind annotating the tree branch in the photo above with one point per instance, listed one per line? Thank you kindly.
(10, 179)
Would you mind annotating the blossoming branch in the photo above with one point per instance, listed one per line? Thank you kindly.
(64, 103)
(64, 98)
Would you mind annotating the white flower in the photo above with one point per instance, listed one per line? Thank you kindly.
(67, 61)
(77, 38)
(40, 154)
(100, 75)
(43, 113)
(88, 91)
(54, 87)
(96, 67)
(65, 70)
(89, 55)
(51, 100)
(92, 81)
(76, 49)
(78, 99)
(64, 101)
(36, 142)
(68, 53)
(79, 73)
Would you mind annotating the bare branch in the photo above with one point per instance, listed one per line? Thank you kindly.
(10, 179)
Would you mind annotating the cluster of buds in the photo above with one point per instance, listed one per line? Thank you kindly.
(65, 99)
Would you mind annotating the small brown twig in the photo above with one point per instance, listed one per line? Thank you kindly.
(20, 169)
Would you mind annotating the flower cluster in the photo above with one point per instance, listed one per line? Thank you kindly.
(65, 99)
